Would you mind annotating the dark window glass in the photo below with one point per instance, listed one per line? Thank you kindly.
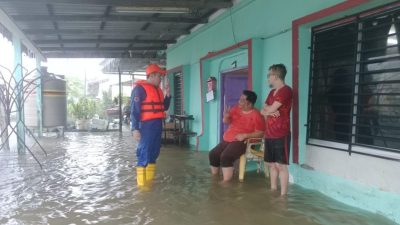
(355, 83)
(378, 121)
(332, 83)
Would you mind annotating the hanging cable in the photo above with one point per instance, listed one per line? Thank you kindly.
(232, 27)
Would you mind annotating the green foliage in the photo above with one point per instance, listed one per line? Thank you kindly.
(75, 88)
(106, 103)
(125, 100)
(81, 107)
(85, 108)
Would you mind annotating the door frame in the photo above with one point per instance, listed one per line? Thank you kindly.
(205, 60)
(231, 72)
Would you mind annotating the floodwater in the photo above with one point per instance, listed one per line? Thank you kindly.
(89, 178)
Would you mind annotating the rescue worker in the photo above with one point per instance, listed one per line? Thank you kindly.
(148, 106)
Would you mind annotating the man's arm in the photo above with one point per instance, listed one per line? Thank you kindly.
(255, 134)
(137, 97)
(167, 94)
(226, 115)
(271, 109)
(167, 101)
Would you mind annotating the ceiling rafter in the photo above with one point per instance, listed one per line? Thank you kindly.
(108, 31)
(211, 4)
(114, 18)
(149, 48)
(50, 9)
(103, 41)
(102, 55)
(103, 24)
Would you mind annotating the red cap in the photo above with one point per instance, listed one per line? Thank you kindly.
(154, 68)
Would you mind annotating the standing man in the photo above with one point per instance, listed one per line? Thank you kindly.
(277, 133)
(244, 122)
(148, 107)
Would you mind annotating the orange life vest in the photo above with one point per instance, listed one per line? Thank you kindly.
(153, 104)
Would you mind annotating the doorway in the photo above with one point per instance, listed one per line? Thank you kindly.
(232, 85)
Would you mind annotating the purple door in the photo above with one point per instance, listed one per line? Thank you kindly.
(233, 84)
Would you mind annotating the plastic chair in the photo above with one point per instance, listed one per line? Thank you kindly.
(254, 152)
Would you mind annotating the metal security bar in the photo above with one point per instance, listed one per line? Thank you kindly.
(178, 93)
(354, 95)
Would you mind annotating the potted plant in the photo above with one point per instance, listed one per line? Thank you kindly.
(83, 110)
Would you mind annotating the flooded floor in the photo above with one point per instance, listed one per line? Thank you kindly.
(89, 178)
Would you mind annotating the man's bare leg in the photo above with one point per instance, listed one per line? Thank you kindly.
(284, 178)
(227, 173)
(274, 176)
(214, 170)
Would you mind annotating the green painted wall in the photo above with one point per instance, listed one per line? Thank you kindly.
(350, 192)
(216, 66)
(236, 25)
(268, 24)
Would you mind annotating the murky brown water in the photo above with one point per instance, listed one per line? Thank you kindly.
(89, 179)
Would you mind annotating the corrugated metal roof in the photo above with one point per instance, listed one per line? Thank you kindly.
(78, 9)
(94, 28)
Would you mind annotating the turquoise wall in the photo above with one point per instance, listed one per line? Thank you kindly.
(268, 24)
(215, 66)
(250, 19)
(240, 23)
(350, 192)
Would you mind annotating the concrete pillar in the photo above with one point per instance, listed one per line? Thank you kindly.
(3, 124)
(39, 99)
(19, 93)
(3, 120)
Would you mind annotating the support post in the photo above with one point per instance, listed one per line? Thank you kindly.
(39, 98)
(19, 94)
(120, 99)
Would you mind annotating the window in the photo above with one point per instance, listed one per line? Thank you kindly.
(354, 96)
(178, 93)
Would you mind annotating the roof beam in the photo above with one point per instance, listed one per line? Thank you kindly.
(103, 49)
(103, 24)
(102, 55)
(103, 41)
(112, 32)
(123, 18)
(50, 9)
(214, 4)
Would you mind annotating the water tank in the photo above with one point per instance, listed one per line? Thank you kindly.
(54, 100)
(30, 106)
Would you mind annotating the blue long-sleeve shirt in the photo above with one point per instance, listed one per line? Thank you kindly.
(137, 97)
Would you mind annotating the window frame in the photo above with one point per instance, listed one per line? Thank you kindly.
(352, 146)
(178, 86)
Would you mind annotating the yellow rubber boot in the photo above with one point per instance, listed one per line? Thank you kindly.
(150, 171)
(141, 175)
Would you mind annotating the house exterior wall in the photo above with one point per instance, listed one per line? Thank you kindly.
(280, 32)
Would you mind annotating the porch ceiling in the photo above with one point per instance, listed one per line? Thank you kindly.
(95, 29)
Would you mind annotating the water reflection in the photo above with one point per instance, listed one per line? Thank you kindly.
(89, 179)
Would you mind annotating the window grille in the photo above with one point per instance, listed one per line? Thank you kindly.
(354, 95)
(178, 93)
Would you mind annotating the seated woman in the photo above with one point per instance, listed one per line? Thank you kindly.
(244, 122)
